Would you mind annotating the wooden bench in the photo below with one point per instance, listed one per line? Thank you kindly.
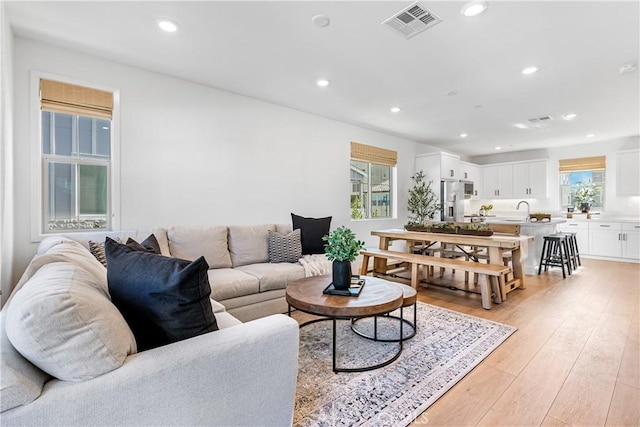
(498, 272)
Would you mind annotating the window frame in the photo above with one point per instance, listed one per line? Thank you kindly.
(392, 192)
(37, 167)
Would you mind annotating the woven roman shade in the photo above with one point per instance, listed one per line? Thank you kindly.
(583, 164)
(379, 156)
(72, 99)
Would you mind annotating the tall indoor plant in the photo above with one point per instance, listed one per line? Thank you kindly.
(423, 201)
(342, 248)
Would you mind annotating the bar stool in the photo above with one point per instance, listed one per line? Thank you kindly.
(574, 253)
(555, 253)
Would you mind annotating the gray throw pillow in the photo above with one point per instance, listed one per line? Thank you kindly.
(284, 248)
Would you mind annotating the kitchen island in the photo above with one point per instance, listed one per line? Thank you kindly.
(535, 229)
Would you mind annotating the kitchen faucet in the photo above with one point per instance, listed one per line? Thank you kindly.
(528, 209)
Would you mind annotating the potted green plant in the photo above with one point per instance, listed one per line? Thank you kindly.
(342, 248)
(423, 202)
(484, 209)
(585, 194)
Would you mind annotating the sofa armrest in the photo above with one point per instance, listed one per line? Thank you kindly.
(242, 375)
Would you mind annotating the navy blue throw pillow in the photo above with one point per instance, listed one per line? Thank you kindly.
(163, 299)
(150, 244)
(312, 230)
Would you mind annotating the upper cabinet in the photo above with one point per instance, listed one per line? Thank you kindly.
(628, 173)
(524, 180)
(439, 166)
(497, 181)
(470, 172)
(530, 179)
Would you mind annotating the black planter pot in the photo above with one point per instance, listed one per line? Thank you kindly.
(584, 207)
(341, 271)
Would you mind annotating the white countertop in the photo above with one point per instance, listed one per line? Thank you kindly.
(522, 222)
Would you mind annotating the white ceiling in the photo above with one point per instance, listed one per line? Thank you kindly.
(271, 50)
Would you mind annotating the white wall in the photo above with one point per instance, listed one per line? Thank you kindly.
(6, 157)
(195, 155)
(629, 206)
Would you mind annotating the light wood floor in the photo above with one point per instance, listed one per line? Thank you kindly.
(574, 361)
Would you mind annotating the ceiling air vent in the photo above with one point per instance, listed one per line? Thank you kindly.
(412, 20)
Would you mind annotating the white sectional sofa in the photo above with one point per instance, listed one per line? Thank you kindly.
(242, 374)
(242, 278)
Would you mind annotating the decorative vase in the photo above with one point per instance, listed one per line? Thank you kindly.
(584, 207)
(341, 271)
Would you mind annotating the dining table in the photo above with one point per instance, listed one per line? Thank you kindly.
(496, 244)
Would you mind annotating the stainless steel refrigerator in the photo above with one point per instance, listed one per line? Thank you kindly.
(451, 201)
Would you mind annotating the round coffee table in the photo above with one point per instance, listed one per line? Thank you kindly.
(377, 297)
(409, 299)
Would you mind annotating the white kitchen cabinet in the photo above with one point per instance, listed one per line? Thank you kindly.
(439, 166)
(469, 172)
(604, 239)
(581, 228)
(631, 240)
(530, 179)
(628, 173)
(497, 181)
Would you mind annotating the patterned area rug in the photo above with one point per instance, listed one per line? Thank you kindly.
(447, 346)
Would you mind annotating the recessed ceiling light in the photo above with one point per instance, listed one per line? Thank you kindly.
(627, 68)
(520, 126)
(395, 109)
(474, 8)
(464, 135)
(323, 82)
(591, 135)
(498, 148)
(569, 116)
(451, 93)
(167, 25)
(321, 21)
(530, 70)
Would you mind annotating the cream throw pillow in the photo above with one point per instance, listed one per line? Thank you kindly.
(63, 321)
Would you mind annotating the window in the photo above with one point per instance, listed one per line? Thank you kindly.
(371, 174)
(75, 155)
(582, 181)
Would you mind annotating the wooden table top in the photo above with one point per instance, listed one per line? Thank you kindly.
(378, 296)
(496, 240)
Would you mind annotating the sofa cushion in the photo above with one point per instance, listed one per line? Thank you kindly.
(284, 248)
(192, 242)
(20, 382)
(312, 231)
(274, 276)
(63, 322)
(163, 299)
(83, 238)
(230, 283)
(249, 244)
